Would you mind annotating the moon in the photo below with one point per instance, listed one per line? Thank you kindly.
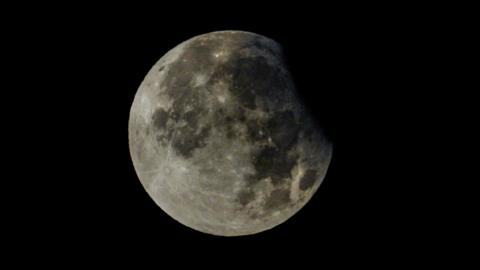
(220, 139)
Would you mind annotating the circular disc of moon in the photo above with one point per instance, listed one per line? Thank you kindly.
(220, 139)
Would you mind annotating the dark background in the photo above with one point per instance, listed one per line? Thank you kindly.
(364, 74)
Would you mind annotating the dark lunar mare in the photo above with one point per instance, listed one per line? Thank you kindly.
(251, 78)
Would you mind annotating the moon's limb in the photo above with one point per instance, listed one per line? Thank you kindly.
(220, 140)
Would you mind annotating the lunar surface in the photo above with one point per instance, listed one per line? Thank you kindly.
(220, 139)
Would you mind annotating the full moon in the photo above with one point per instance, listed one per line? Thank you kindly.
(220, 139)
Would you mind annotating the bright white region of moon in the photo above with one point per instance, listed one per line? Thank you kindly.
(220, 139)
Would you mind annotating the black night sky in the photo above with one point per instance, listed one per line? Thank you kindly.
(359, 73)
